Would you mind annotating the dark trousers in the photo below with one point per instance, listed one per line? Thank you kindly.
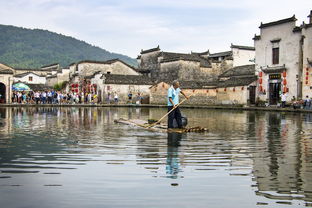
(175, 114)
(283, 104)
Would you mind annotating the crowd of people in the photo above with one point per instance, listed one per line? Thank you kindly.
(52, 97)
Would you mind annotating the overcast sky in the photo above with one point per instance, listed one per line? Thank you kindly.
(127, 26)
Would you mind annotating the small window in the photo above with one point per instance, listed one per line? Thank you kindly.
(108, 72)
(30, 79)
(275, 55)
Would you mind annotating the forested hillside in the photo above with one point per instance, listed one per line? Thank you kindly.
(27, 48)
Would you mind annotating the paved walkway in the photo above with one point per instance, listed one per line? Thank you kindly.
(225, 107)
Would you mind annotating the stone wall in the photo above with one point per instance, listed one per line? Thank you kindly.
(87, 69)
(7, 80)
(123, 90)
(217, 96)
(149, 61)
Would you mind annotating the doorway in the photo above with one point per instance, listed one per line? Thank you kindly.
(275, 89)
(2, 93)
(252, 95)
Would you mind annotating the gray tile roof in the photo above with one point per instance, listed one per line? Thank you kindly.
(220, 54)
(237, 81)
(169, 57)
(282, 21)
(243, 47)
(275, 69)
(245, 70)
(127, 79)
(26, 73)
(150, 50)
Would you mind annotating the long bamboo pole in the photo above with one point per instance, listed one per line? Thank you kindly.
(157, 122)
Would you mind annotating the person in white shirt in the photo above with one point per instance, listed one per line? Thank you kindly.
(283, 98)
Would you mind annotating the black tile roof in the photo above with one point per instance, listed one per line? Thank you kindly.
(243, 47)
(169, 57)
(237, 81)
(105, 62)
(150, 50)
(282, 21)
(26, 73)
(6, 71)
(297, 29)
(127, 79)
(55, 65)
(257, 37)
(275, 69)
(220, 54)
(245, 70)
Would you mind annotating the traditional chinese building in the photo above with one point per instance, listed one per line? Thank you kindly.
(283, 51)
(6, 81)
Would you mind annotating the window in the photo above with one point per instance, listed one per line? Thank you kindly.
(275, 56)
(30, 79)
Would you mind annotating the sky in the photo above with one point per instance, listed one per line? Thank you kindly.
(127, 26)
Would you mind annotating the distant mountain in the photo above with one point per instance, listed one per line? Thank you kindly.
(27, 48)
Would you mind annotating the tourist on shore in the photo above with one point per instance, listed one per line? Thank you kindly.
(173, 101)
(49, 95)
(307, 103)
(283, 98)
(116, 98)
(130, 97)
(37, 97)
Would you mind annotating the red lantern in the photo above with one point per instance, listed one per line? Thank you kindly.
(307, 82)
(233, 89)
(285, 89)
(163, 85)
(72, 85)
(77, 85)
(284, 73)
(224, 89)
(260, 81)
(260, 74)
(307, 69)
(242, 88)
(284, 82)
(207, 91)
(216, 90)
(307, 73)
(260, 88)
(76, 90)
(307, 78)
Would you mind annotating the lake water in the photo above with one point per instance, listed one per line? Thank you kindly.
(78, 157)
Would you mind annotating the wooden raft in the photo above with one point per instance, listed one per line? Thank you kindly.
(159, 127)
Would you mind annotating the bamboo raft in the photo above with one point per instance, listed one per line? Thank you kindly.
(158, 127)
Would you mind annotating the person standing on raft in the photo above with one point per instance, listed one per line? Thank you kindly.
(173, 101)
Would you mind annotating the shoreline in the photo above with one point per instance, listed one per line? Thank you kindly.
(218, 107)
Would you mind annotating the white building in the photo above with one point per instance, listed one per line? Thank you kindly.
(279, 55)
(6, 81)
(307, 58)
(30, 78)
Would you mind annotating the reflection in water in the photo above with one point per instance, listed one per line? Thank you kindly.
(173, 163)
(51, 150)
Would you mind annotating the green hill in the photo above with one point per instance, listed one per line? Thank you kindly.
(27, 48)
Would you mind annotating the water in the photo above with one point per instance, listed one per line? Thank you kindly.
(78, 157)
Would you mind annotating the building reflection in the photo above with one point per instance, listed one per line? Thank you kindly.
(276, 146)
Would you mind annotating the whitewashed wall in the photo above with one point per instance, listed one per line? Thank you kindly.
(35, 79)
